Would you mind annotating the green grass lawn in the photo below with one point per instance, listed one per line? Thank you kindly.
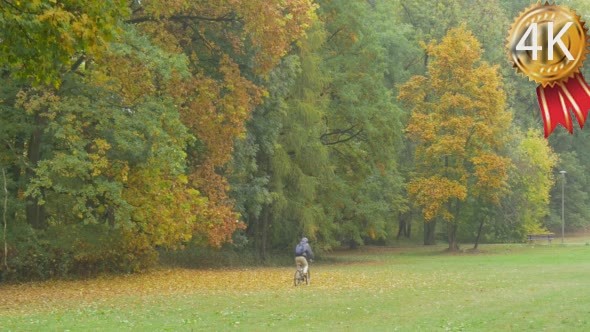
(501, 288)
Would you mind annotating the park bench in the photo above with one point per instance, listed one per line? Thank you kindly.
(533, 237)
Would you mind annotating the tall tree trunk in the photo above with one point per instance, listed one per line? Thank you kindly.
(264, 234)
(401, 230)
(429, 233)
(35, 212)
(5, 207)
(253, 232)
(479, 233)
(251, 223)
(111, 214)
(15, 173)
(452, 227)
(405, 225)
(452, 235)
(256, 232)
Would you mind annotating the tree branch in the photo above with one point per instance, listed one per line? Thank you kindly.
(13, 6)
(348, 133)
(225, 18)
(4, 218)
(413, 61)
(334, 34)
(78, 63)
(203, 39)
(410, 17)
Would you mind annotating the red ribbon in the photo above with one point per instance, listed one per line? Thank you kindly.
(557, 101)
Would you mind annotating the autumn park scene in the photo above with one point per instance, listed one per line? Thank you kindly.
(262, 165)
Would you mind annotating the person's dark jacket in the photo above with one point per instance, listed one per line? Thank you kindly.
(307, 252)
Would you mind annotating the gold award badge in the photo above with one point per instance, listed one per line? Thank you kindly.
(549, 43)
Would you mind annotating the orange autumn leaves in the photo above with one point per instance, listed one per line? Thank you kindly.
(460, 124)
(245, 40)
(268, 28)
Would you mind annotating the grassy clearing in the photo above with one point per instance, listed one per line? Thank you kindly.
(503, 287)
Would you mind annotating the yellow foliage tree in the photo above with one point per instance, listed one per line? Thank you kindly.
(535, 162)
(459, 124)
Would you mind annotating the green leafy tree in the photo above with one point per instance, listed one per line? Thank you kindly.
(525, 208)
(572, 159)
(314, 160)
(534, 162)
(362, 125)
(42, 40)
(282, 160)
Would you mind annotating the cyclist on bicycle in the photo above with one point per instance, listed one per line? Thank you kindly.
(302, 253)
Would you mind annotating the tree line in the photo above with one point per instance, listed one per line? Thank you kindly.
(127, 127)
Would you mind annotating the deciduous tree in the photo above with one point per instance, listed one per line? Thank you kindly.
(459, 123)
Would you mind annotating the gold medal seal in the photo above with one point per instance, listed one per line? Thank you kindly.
(541, 68)
(549, 43)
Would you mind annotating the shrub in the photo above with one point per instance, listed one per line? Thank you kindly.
(74, 250)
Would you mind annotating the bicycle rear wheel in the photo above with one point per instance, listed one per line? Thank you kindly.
(298, 278)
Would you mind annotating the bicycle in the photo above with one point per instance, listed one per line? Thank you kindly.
(301, 277)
